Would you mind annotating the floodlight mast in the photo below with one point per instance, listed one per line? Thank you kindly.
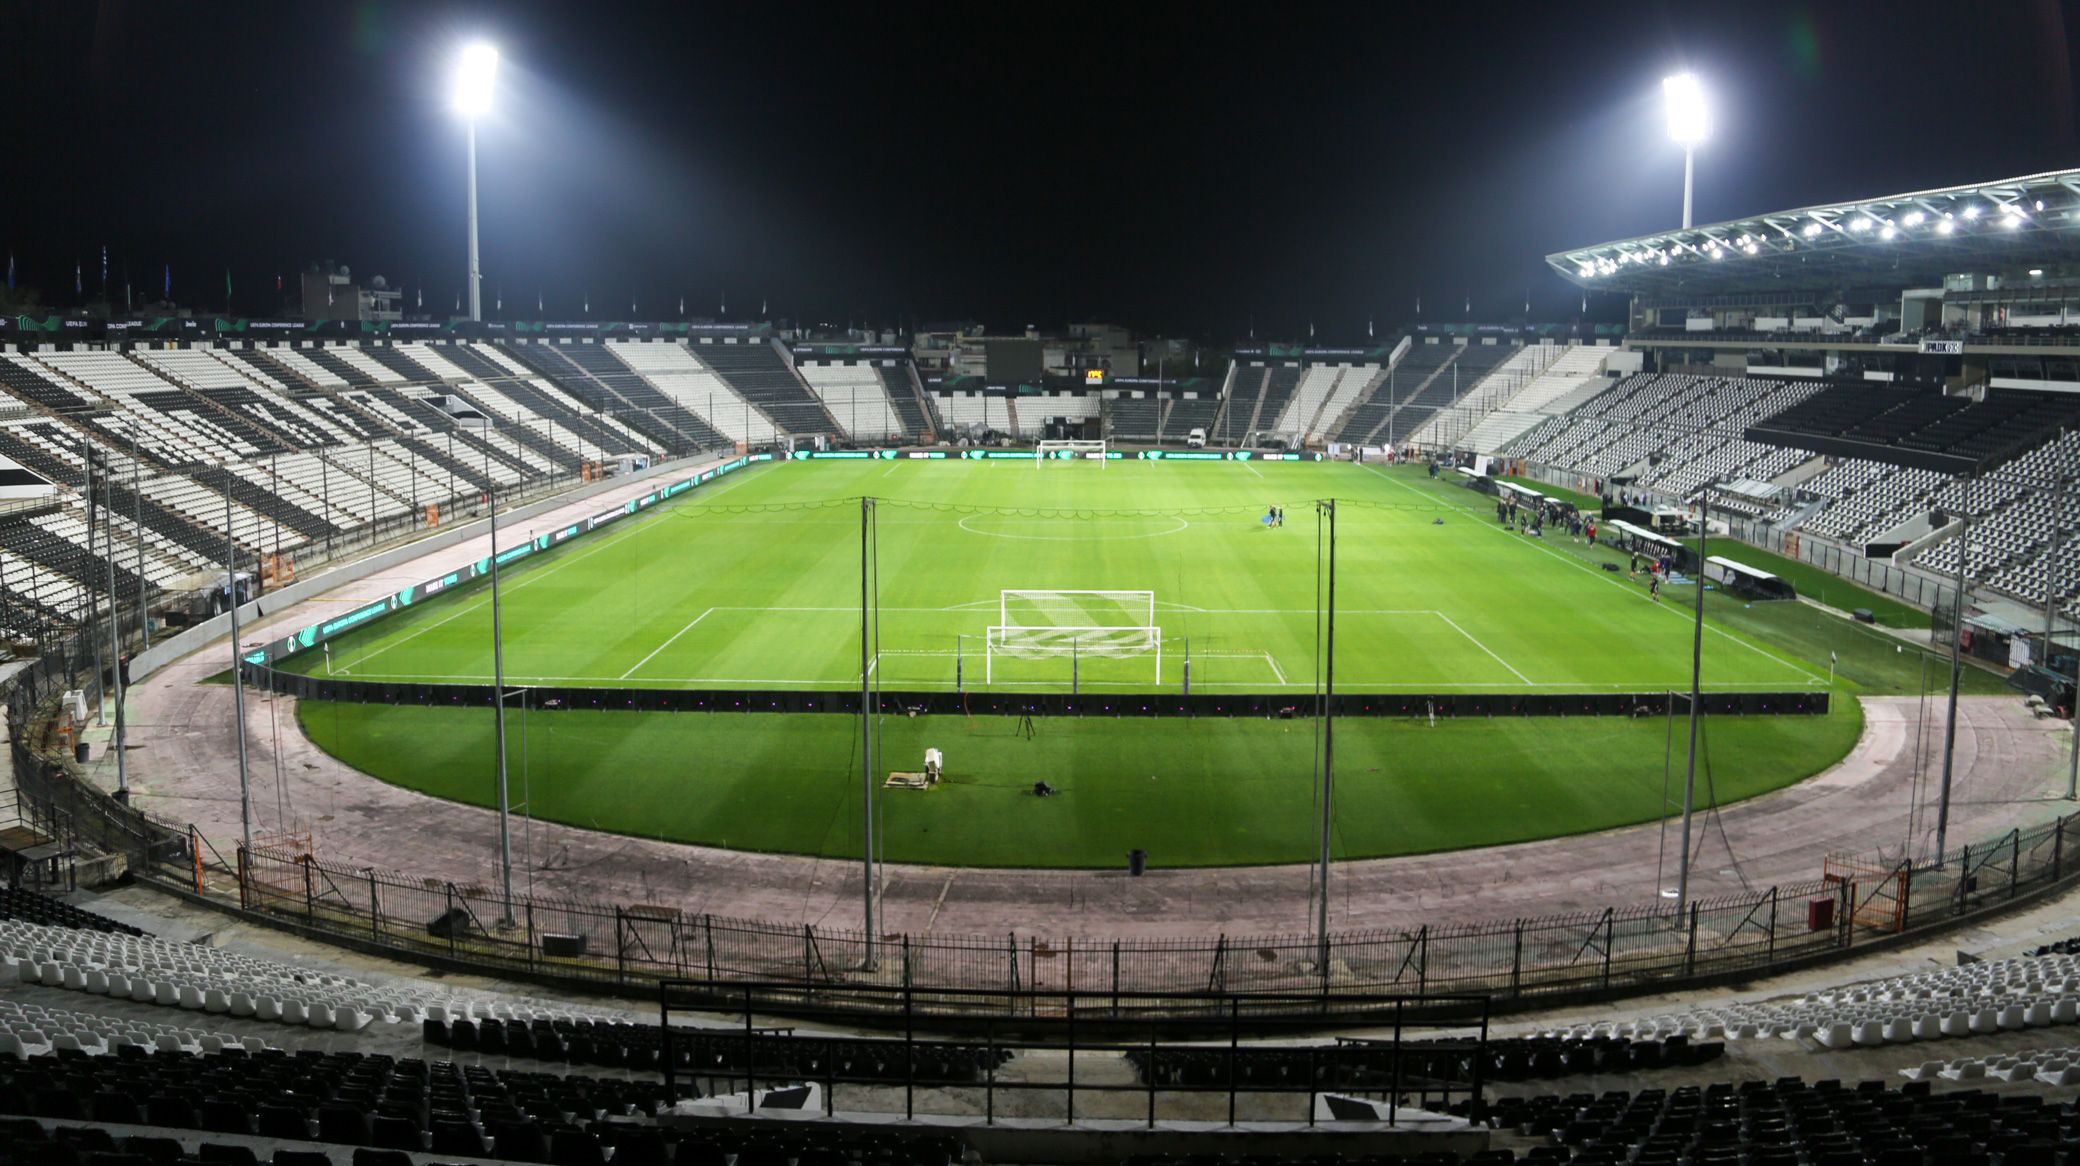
(1689, 124)
(475, 73)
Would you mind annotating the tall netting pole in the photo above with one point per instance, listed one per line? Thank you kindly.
(1704, 520)
(498, 700)
(866, 735)
(1964, 547)
(1328, 510)
(238, 682)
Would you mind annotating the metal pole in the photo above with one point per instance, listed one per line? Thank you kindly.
(115, 634)
(1689, 158)
(144, 609)
(1704, 517)
(866, 736)
(477, 279)
(100, 692)
(498, 681)
(238, 684)
(1328, 506)
(1964, 547)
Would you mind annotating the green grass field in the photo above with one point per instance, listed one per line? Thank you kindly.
(754, 581)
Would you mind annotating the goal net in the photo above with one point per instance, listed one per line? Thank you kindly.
(1068, 450)
(1035, 625)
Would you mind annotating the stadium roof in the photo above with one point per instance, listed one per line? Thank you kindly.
(1899, 240)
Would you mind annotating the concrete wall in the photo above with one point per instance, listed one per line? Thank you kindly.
(201, 635)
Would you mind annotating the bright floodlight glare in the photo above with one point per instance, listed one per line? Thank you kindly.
(1945, 227)
(1689, 123)
(475, 71)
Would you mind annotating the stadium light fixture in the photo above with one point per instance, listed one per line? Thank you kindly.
(2012, 220)
(1945, 227)
(1812, 231)
(476, 69)
(1971, 212)
(1689, 124)
(1889, 232)
(1860, 225)
(476, 72)
(1914, 218)
(2036, 273)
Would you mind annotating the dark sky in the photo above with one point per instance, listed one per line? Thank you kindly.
(1183, 168)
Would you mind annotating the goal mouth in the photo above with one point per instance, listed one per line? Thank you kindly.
(1070, 449)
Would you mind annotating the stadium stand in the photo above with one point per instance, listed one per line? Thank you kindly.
(761, 375)
(1569, 381)
(673, 377)
(859, 400)
(1266, 399)
(900, 383)
(33, 906)
(1922, 428)
(23, 377)
(971, 413)
(1384, 414)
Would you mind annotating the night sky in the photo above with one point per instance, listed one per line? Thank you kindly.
(1180, 168)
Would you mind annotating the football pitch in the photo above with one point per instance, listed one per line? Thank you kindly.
(754, 581)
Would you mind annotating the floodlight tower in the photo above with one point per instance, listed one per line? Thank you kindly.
(1689, 124)
(475, 71)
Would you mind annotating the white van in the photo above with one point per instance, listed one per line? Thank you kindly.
(1196, 439)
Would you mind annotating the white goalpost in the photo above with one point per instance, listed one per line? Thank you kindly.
(1038, 625)
(1069, 450)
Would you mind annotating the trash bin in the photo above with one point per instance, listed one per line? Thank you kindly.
(79, 752)
(1137, 862)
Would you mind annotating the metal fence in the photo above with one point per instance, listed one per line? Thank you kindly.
(632, 948)
(1651, 946)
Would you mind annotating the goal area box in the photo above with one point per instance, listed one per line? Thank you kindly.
(1073, 624)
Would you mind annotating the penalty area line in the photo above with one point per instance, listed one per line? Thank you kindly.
(1483, 647)
(667, 643)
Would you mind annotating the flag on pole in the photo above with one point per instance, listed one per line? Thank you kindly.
(166, 284)
(498, 298)
(10, 271)
(79, 287)
(682, 303)
(227, 288)
(1368, 330)
(538, 309)
(104, 269)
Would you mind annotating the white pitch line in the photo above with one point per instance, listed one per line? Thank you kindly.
(1252, 469)
(1599, 575)
(531, 577)
(1389, 687)
(668, 643)
(1275, 669)
(612, 538)
(1483, 647)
